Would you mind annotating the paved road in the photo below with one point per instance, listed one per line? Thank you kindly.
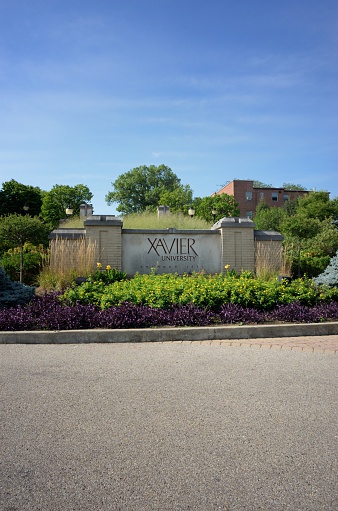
(166, 427)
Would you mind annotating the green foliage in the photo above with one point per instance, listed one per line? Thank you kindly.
(13, 293)
(106, 275)
(259, 184)
(147, 220)
(59, 198)
(224, 205)
(292, 186)
(267, 218)
(141, 188)
(309, 265)
(324, 243)
(202, 290)
(300, 227)
(317, 205)
(310, 235)
(329, 277)
(14, 197)
(74, 222)
(177, 199)
(33, 257)
(16, 230)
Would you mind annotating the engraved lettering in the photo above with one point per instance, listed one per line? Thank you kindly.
(190, 245)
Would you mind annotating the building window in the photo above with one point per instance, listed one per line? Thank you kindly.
(286, 198)
(248, 195)
(248, 214)
(274, 196)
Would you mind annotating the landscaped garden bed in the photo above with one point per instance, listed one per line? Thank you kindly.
(109, 300)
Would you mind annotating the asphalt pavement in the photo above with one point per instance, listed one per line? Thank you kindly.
(170, 426)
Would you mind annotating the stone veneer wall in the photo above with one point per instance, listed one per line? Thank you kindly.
(106, 232)
(240, 245)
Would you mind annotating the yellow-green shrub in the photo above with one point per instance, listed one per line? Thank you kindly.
(202, 290)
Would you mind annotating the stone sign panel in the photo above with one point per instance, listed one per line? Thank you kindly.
(231, 241)
(171, 251)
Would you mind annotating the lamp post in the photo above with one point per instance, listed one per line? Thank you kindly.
(191, 212)
(214, 213)
(69, 212)
(25, 208)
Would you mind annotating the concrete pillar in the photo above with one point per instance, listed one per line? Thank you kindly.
(238, 246)
(86, 210)
(106, 232)
(163, 211)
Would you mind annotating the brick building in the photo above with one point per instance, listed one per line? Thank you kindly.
(248, 197)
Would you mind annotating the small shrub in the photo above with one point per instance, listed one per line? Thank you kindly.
(206, 291)
(231, 313)
(108, 275)
(311, 265)
(13, 293)
(47, 312)
(329, 277)
(33, 257)
(296, 312)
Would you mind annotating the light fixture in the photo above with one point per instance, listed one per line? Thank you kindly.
(69, 211)
(25, 208)
(214, 213)
(191, 212)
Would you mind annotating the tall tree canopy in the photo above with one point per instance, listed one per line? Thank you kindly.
(59, 198)
(223, 205)
(318, 205)
(292, 186)
(309, 230)
(142, 188)
(16, 198)
(260, 184)
(178, 200)
(269, 218)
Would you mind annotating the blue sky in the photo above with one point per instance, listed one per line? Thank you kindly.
(216, 90)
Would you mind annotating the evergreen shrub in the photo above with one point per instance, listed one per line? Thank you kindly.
(13, 293)
(329, 277)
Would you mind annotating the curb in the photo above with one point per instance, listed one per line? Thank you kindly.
(217, 333)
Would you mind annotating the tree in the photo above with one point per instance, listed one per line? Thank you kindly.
(259, 184)
(325, 242)
(16, 197)
(268, 218)
(178, 199)
(59, 198)
(141, 188)
(291, 186)
(17, 230)
(298, 229)
(224, 205)
(308, 226)
(318, 205)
